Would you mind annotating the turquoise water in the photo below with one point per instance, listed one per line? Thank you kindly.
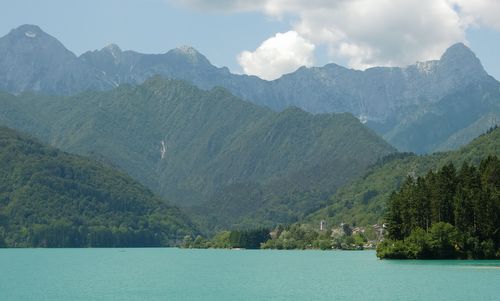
(175, 274)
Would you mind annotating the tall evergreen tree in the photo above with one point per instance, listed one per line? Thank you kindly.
(459, 210)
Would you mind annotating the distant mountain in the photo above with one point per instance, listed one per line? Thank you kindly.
(194, 146)
(31, 60)
(402, 104)
(362, 202)
(450, 123)
(49, 198)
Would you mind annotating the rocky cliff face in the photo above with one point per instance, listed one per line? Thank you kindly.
(376, 93)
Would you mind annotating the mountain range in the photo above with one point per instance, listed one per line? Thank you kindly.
(232, 151)
(206, 148)
(429, 106)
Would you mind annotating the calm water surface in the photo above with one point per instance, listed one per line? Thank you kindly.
(174, 274)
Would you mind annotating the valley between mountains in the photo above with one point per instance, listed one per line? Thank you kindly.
(120, 148)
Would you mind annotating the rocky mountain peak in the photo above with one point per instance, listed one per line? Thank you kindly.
(458, 50)
(188, 50)
(114, 51)
(31, 39)
(190, 54)
(32, 60)
(459, 56)
(27, 31)
(113, 48)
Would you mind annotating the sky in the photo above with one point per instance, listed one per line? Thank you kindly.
(269, 38)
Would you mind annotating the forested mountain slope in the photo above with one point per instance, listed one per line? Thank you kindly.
(193, 146)
(49, 198)
(363, 201)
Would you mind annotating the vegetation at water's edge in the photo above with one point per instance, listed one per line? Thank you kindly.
(446, 214)
(303, 237)
(289, 237)
(244, 239)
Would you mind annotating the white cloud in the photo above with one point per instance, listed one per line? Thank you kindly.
(479, 12)
(283, 53)
(383, 33)
(374, 32)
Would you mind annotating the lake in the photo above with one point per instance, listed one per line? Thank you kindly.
(177, 274)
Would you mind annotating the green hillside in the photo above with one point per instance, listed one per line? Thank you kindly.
(207, 147)
(362, 202)
(290, 198)
(49, 198)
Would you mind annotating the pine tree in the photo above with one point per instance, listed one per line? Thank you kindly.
(446, 214)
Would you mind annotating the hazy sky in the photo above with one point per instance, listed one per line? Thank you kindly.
(271, 37)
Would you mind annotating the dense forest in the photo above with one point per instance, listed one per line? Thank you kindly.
(49, 198)
(239, 165)
(448, 213)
